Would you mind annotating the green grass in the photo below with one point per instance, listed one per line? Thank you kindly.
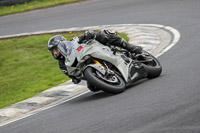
(27, 67)
(124, 35)
(32, 5)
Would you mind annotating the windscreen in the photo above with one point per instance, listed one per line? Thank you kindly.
(66, 47)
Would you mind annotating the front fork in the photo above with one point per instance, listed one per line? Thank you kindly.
(109, 72)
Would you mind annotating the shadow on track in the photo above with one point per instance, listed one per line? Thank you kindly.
(91, 96)
(95, 96)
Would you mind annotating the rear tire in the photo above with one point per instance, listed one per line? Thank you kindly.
(153, 67)
(92, 78)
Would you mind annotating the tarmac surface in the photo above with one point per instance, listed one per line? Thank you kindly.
(167, 104)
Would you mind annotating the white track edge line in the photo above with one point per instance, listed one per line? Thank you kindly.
(176, 38)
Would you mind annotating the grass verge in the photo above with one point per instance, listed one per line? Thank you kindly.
(27, 67)
(36, 4)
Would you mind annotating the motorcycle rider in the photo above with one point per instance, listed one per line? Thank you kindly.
(105, 37)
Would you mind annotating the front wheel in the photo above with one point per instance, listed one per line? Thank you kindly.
(112, 84)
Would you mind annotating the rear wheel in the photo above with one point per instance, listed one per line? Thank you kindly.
(111, 83)
(152, 66)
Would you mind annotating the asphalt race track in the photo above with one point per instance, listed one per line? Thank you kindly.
(168, 104)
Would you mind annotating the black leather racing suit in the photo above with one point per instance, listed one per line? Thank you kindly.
(110, 38)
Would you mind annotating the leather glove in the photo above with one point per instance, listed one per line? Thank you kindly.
(87, 36)
(75, 80)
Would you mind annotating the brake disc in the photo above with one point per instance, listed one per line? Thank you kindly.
(107, 78)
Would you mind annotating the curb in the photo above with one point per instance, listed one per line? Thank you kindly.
(156, 39)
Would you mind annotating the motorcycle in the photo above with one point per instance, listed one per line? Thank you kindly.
(108, 68)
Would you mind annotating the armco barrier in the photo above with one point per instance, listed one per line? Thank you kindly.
(12, 2)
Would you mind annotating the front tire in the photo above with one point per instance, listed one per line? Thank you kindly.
(93, 78)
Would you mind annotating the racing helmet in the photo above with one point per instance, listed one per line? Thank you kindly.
(53, 45)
